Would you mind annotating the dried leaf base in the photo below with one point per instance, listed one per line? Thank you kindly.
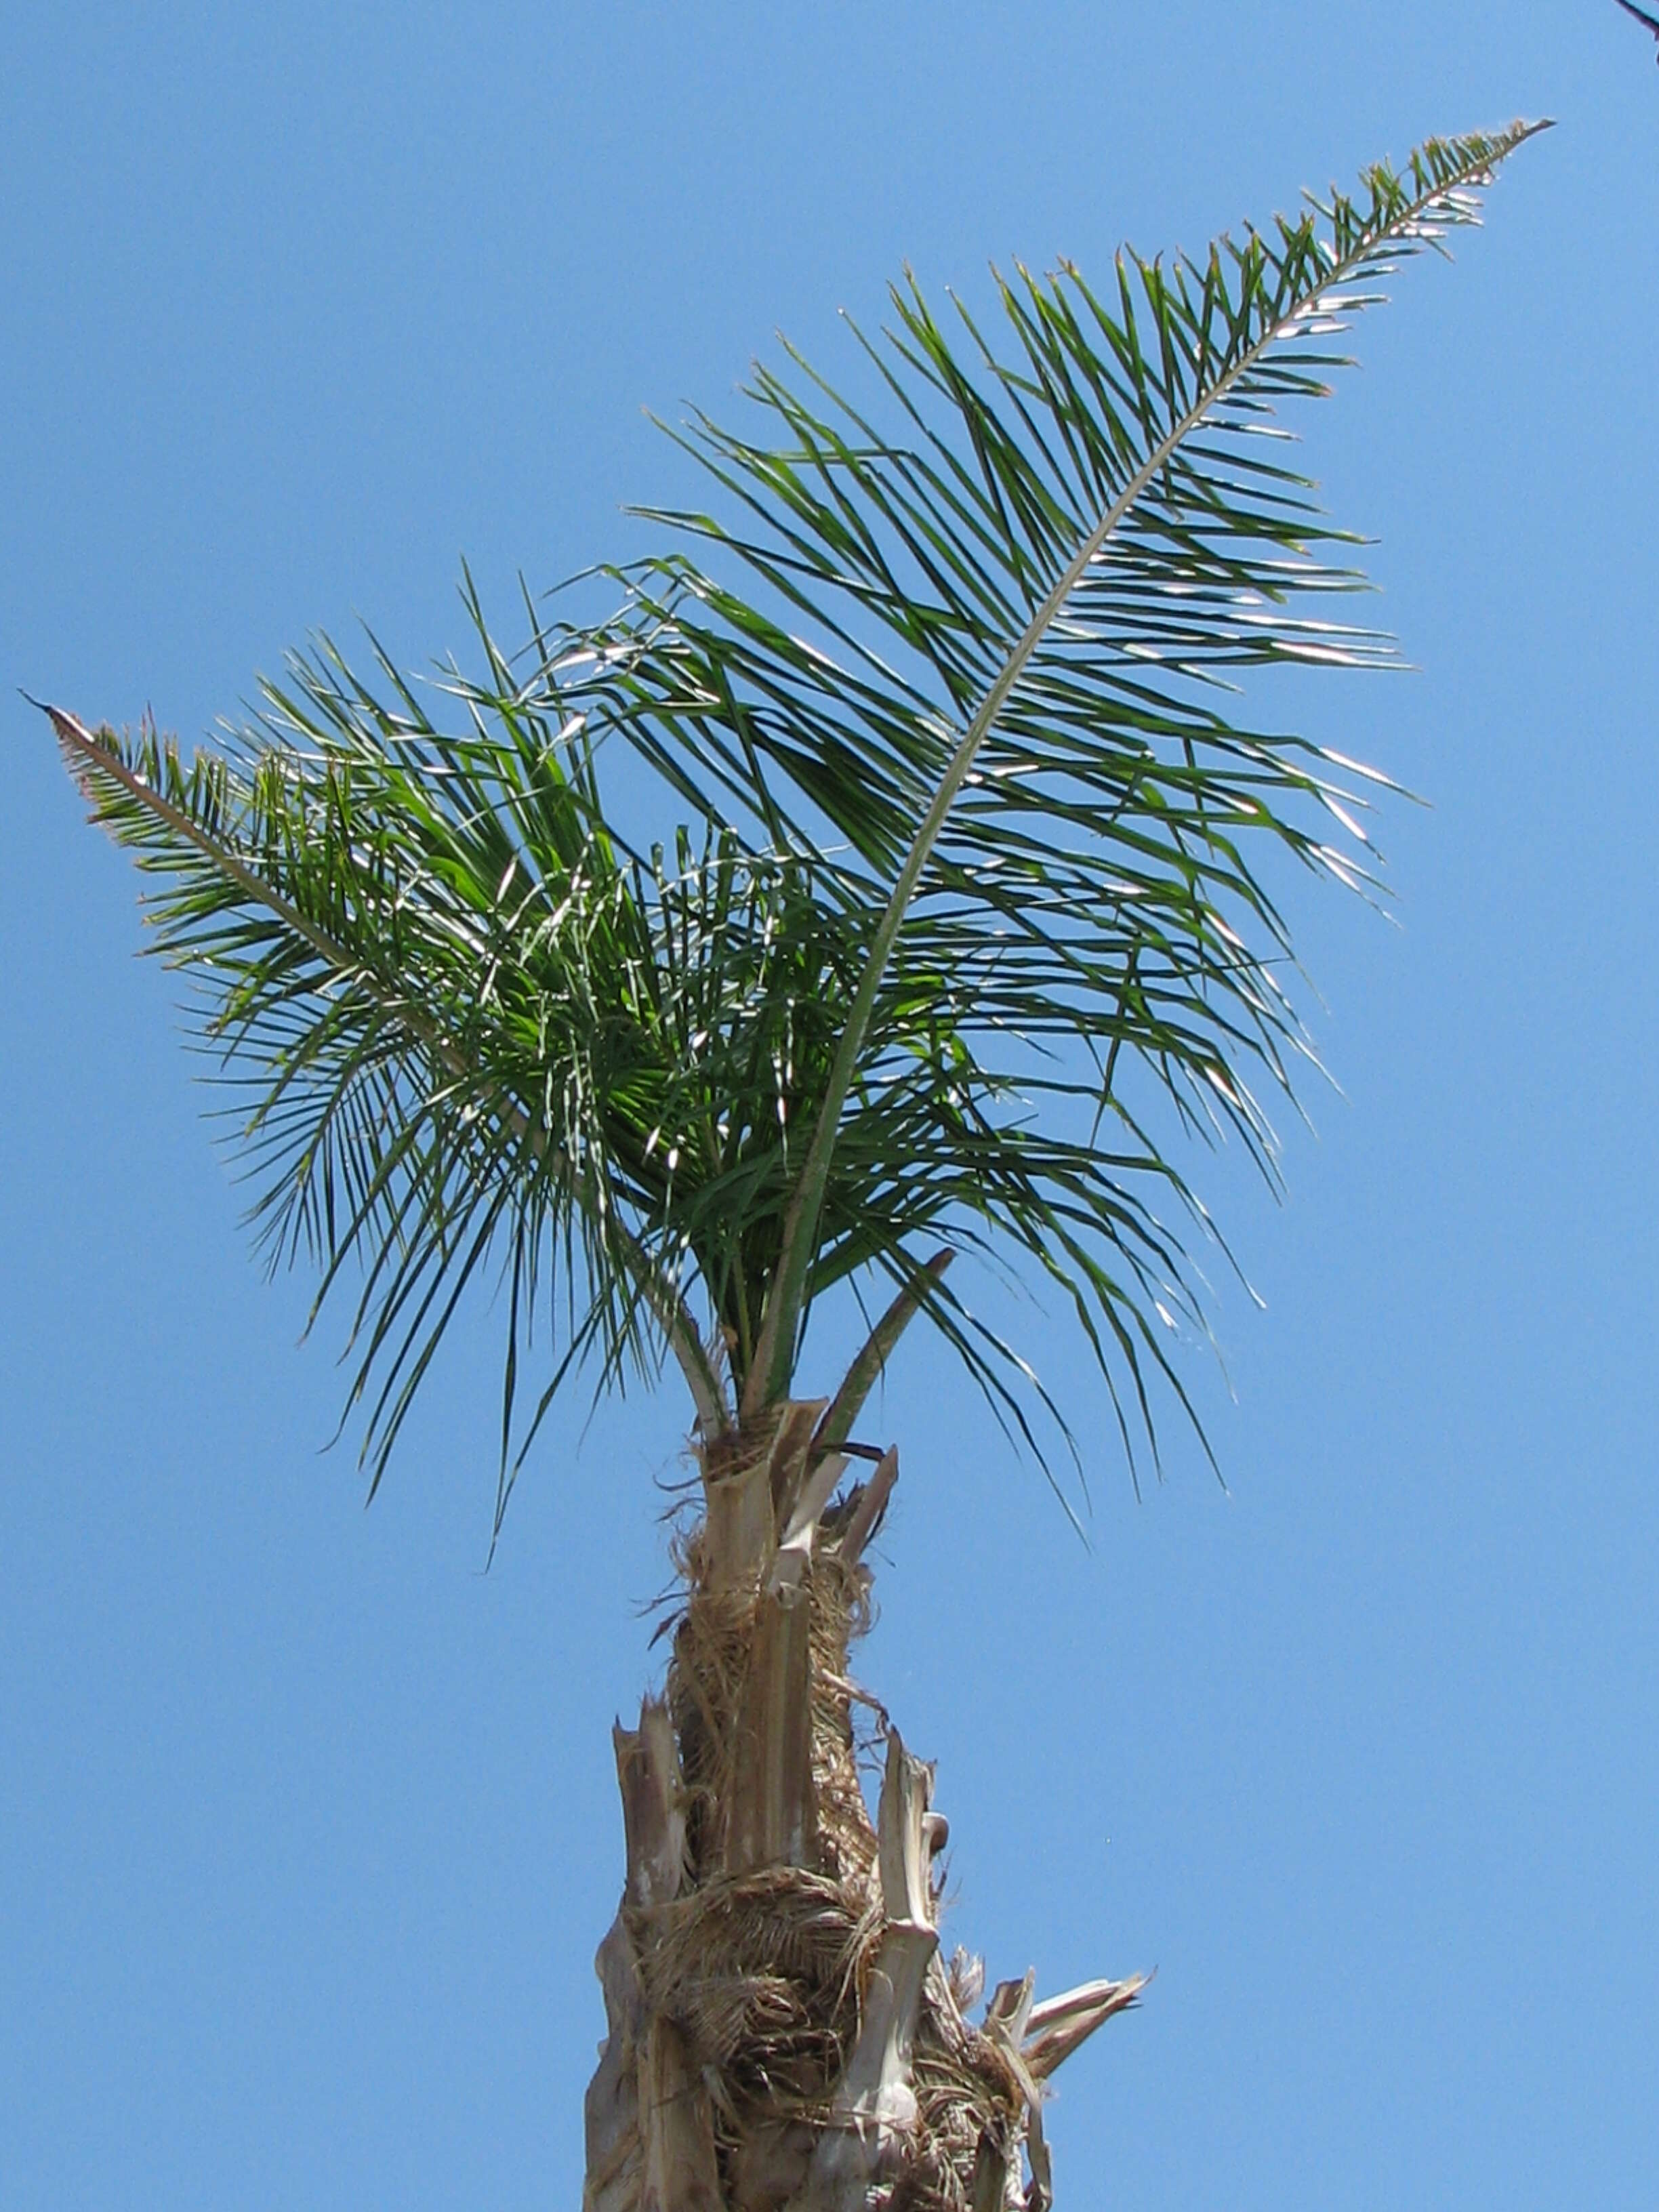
(782, 2034)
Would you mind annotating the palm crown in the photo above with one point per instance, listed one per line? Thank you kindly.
(972, 859)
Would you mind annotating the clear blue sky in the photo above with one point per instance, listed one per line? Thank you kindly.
(307, 1828)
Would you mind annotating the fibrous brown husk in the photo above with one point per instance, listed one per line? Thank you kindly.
(763, 1976)
(763, 1972)
(770, 1961)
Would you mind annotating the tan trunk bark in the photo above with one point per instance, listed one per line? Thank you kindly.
(782, 2036)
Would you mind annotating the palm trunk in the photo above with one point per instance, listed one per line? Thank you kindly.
(782, 2034)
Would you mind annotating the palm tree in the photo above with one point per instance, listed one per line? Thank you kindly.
(968, 887)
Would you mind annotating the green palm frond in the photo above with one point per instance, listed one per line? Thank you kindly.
(413, 954)
(1012, 624)
(975, 864)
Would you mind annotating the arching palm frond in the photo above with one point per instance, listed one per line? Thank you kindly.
(418, 958)
(990, 652)
(975, 856)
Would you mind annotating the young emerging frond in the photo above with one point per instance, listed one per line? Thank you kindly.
(977, 852)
